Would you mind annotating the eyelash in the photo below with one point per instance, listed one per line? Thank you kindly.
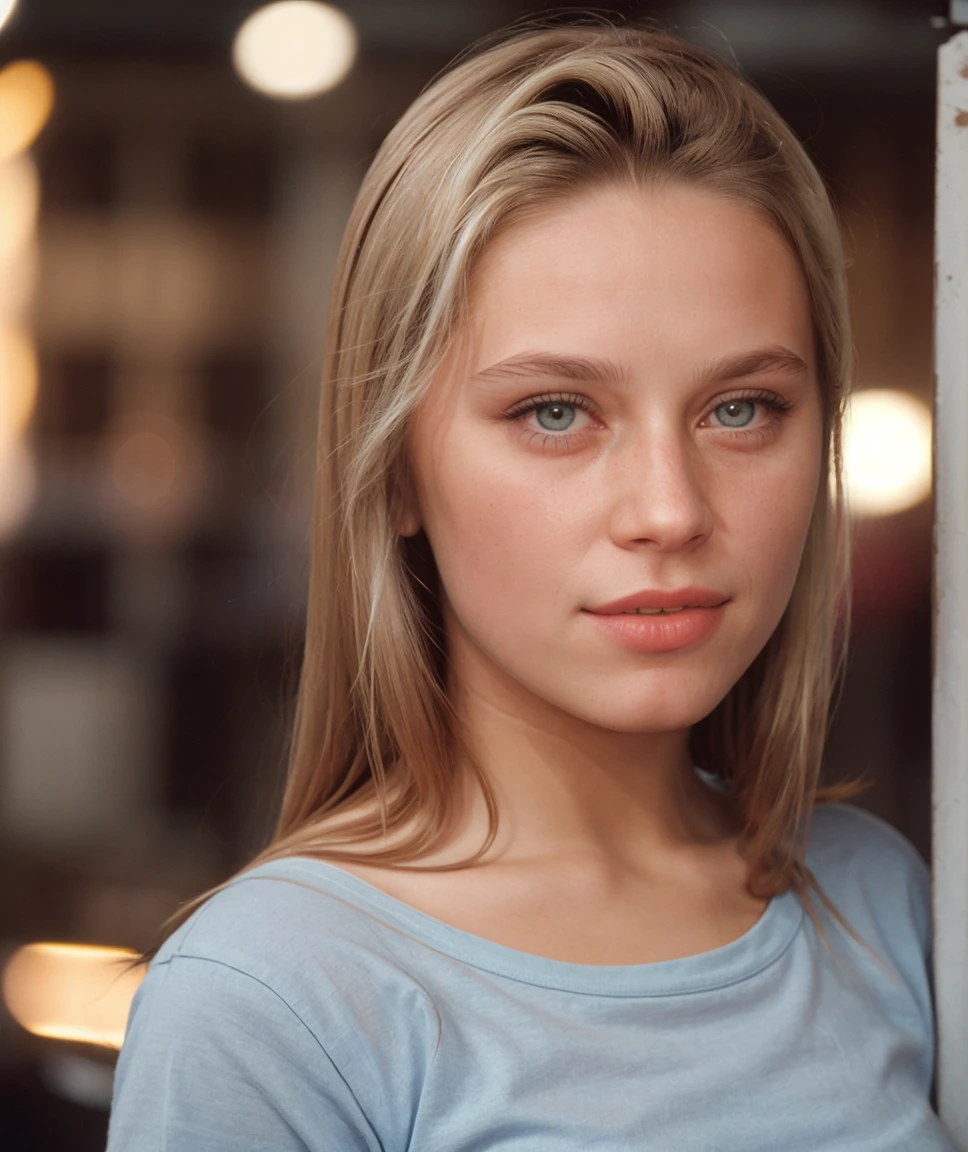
(778, 406)
(556, 439)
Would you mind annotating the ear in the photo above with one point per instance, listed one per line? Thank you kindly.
(406, 522)
(404, 512)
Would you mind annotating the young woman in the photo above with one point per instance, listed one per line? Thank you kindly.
(544, 872)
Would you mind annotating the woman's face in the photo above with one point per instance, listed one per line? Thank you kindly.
(632, 412)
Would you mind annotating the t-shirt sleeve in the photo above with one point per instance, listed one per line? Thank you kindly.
(214, 1060)
(881, 883)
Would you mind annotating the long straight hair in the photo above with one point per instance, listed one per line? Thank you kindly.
(532, 117)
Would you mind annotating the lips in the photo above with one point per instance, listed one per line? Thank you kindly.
(656, 622)
(654, 599)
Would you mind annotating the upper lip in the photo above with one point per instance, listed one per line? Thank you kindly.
(656, 598)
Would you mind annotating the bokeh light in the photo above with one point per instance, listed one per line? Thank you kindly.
(18, 484)
(155, 472)
(6, 10)
(19, 200)
(18, 381)
(18, 279)
(295, 49)
(73, 992)
(145, 468)
(26, 100)
(887, 452)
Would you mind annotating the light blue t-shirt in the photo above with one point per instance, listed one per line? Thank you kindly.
(302, 1008)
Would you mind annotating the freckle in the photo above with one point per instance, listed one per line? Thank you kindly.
(961, 120)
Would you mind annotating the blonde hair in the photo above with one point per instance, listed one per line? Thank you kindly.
(536, 115)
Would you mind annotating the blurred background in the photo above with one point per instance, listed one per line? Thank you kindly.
(175, 176)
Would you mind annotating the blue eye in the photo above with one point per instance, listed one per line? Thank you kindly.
(735, 413)
(555, 417)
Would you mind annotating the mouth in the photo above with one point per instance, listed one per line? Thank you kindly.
(657, 602)
(655, 629)
(654, 611)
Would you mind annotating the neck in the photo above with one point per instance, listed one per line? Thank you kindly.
(567, 789)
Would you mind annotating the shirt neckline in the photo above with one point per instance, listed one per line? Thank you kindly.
(740, 959)
(756, 949)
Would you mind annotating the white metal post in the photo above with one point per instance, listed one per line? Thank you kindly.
(950, 719)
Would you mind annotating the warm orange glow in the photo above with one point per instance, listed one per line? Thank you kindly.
(26, 101)
(71, 991)
(18, 279)
(18, 381)
(18, 484)
(19, 200)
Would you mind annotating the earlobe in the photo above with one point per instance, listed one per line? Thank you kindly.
(406, 522)
(404, 514)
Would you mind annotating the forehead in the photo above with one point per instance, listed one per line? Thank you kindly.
(669, 271)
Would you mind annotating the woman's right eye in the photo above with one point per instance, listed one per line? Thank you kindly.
(555, 417)
(551, 413)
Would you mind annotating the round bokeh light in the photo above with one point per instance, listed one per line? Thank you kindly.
(887, 452)
(26, 101)
(294, 49)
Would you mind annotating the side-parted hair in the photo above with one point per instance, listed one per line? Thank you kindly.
(537, 115)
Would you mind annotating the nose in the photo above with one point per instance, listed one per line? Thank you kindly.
(657, 495)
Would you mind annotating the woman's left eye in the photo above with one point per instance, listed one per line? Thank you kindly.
(735, 413)
(753, 413)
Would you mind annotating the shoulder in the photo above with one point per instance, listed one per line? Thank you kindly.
(284, 997)
(847, 831)
(297, 942)
(292, 928)
(875, 876)
(273, 920)
(843, 836)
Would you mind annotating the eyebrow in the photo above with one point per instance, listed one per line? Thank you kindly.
(529, 364)
(773, 359)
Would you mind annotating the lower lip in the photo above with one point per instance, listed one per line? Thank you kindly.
(661, 633)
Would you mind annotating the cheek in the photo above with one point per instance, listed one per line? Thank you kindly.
(499, 538)
(773, 523)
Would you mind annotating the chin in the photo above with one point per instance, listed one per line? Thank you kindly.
(651, 715)
(645, 725)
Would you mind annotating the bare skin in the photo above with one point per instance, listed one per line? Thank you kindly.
(610, 849)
